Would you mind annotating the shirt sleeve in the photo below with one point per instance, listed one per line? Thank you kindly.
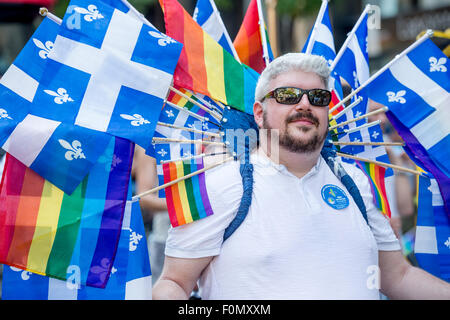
(204, 237)
(378, 223)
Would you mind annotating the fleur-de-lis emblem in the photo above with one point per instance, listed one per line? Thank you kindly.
(4, 114)
(134, 240)
(375, 134)
(61, 95)
(162, 152)
(75, 151)
(205, 126)
(447, 242)
(396, 97)
(136, 119)
(102, 269)
(438, 65)
(45, 48)
(170, 113)
(163, 39)
(25, 275)
(90, 14)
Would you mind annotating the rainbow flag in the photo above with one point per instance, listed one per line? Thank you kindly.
(376, 174)
(186, 200)
(40, 225)
(249, 42)
(205, 66)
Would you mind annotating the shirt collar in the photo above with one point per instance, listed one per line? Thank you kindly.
(259, 157)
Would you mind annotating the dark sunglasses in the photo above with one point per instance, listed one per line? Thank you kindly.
(293, 95)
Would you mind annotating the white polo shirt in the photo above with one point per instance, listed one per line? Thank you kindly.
(292, 244)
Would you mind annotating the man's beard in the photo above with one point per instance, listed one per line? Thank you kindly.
(294, 144)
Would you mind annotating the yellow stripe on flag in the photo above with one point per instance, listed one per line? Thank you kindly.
(46, 225)
(182, 192)
(214, 68)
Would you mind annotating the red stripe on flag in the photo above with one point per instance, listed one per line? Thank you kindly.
(169, 197)
(26, 217)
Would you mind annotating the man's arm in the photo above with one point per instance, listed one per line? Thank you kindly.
(400, 280)
(178, 278)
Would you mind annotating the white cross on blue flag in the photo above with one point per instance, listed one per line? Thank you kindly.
(416, 88)
(432, 241)
(61, 153)
(110, 66)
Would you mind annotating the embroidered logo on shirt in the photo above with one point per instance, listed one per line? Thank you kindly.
(335, 197)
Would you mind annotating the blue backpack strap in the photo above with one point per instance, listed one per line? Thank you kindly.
(329, 154)
(246, 170)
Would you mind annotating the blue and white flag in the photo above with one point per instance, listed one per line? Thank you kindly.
(416, 89)
(352, 64)
(175, 151)
(61, 153)
(320, 40)
(110, 66)
(208, 17)
(432, 241)
(129, 280)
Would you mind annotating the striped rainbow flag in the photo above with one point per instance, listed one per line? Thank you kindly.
(186, 200)
(376, 173)
(205, 66)
(40, 224)
(248, 41)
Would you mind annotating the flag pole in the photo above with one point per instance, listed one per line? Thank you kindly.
(349, 37)
(364, 126)
(204, 108)
(383, 164)
(384, 109)
(364, 143)
(168, 184)
(262, 31)
(45, 13)
(313, 32)
(427, 35)
(349, 107)
(186, 141)
(206, 133)
(202, 155)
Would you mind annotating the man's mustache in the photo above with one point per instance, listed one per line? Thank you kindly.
(303, 115)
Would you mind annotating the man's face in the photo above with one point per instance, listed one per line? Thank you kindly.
(302, 127)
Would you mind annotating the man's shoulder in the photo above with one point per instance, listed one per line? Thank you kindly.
(354, 172)
(224, 179)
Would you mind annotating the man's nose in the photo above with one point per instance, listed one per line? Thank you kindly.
(303, 104)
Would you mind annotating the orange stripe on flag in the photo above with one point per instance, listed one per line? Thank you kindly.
(27, 213)
(176, 194)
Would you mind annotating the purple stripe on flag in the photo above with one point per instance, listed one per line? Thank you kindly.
(414, 147)
(111, 225)
(202, 186)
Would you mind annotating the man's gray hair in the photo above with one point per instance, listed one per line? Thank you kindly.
(291, 61)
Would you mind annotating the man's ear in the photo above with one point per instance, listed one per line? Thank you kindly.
(258, 112)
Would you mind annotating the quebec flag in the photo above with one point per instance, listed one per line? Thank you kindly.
(320, 40)
(432, 240)
(109, 65)
(416, 89)
(61, 153)
(130, 277)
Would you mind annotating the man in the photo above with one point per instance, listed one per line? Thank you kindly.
(304, 237)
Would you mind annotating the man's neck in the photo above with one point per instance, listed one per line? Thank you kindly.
(299, 164)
